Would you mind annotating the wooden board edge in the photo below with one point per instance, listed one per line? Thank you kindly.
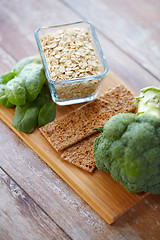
(54, 167)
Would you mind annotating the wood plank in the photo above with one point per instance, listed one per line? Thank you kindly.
(146, 224)
(142, 221)
(20, 42)
(133, 26)
(21, 218)
(52, 194)
(93, 188)
(7, 61)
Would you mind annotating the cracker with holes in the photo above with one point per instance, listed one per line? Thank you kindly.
(81, 154)
(74, 133)
(80, 123)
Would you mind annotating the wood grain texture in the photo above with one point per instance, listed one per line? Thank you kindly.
(18, 20)
(7, 61)
(55, 196)
(130, 25)
(48, 189)
(32, 15)
(108, 198)
(21, 218)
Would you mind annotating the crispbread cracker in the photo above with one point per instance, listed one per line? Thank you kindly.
(79, 124)
(81, 154)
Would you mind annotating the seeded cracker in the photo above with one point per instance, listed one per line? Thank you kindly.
(79, 124)
(81, 154)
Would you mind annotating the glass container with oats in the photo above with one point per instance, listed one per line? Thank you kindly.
(73, 61)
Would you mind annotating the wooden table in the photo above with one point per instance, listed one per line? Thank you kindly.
(35, 203)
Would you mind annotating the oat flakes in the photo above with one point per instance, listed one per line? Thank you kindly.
(69, 54)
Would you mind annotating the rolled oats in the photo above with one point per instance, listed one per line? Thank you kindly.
(69, 54)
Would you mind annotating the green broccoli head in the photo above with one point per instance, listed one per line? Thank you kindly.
(129, 148)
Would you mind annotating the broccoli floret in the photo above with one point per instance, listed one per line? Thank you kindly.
(129, 148)
(100, 151)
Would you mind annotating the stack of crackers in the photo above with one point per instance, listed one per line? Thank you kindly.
(73, 135)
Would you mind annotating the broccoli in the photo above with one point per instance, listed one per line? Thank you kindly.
(129, 148)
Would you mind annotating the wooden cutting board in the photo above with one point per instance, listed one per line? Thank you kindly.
(106, 196)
